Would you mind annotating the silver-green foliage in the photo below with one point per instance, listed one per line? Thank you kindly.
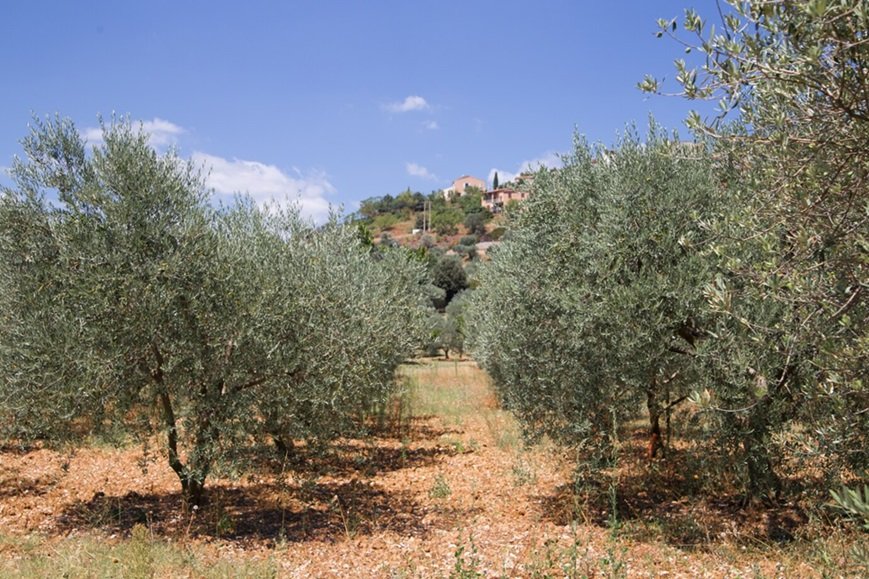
(592, 304)
(794, 347)
(130, 299)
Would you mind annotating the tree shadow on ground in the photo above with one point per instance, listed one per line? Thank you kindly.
(19, 448)
(347, 459)
(368, 456)
(254, 514)
(419, 427)
(661, 500)
(267, 510)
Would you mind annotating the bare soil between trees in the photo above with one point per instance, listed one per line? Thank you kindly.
(450, 490)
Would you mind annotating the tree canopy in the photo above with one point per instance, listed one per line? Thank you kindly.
(590, 305)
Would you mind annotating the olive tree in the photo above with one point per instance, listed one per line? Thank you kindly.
(448, 274)
(791, 79)
(594, 304)
(129, 299)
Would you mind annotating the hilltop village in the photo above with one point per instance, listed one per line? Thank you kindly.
(466, 218)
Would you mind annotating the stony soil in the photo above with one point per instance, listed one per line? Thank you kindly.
(451, 490)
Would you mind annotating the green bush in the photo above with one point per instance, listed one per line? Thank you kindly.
(385, 222)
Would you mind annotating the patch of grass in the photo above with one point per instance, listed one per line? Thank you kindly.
(139, 556)
(451, 390)
(467, 561)
(455, 391)
(504, 429)
(350, 519)
(574, 560)
(441, 488)
(523, 473)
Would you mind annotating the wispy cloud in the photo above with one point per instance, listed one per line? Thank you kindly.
(268, 183)
(416, 170)
(411, 103)
(550, 159)
(431, 125)
(161, 133)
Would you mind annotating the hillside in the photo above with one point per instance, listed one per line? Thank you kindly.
(414, 220)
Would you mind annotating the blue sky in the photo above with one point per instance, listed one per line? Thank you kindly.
(334, 102)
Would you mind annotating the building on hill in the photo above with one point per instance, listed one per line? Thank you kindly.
(496, 199)
(524, 180)
(462, 184)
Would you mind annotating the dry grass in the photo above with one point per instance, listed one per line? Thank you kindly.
(447, 489)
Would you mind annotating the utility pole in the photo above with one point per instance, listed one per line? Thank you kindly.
(426, 210)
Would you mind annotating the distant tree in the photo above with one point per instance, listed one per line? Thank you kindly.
(427, 241)
(471, 201)
(385, 222)
(387, 204)
(404, 205)
(449, 275)
(453, 336)
(495, 181)
(447, 329)
(364, 235)
(369, 208)
(445, 220)
(386, 240)
(466, 251)
(418, 201)
(437, 329)
(476, 222)
(437, 200)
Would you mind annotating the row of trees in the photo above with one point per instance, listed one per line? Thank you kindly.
(731, 272)
(127, 299)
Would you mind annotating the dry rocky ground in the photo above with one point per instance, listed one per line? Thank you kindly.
(449, 491)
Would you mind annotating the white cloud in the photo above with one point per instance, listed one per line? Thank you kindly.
(550, 159)
(93, 135)
(416, 170)
(267, 183)
(161, 132)
(431, 125)
(411, 103)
